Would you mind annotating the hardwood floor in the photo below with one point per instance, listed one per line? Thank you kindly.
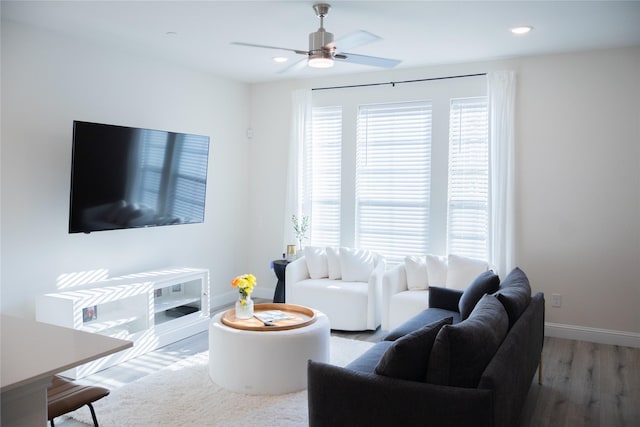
(584, 384)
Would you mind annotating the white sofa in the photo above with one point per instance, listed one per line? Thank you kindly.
(405, 287)
(345, 284)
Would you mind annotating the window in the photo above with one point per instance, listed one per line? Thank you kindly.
(467, 217)
(322, 177)
(400, 171)
(393, 172)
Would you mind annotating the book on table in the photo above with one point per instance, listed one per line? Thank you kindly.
(272, 315)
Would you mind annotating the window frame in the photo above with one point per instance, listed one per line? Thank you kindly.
(440, 93)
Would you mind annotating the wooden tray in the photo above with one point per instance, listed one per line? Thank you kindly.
(301, 316)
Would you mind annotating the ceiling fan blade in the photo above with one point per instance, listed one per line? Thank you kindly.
(298, 65)
(356, 39)
(367, 60)
(301, 52)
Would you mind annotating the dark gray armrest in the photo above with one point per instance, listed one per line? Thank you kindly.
(341, 397)
(444, 298)
(519, 356)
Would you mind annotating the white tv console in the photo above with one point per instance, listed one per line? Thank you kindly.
(152, 309)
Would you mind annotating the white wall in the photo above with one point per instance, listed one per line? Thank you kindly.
(49, 80)
(578, 127)
(577, 171)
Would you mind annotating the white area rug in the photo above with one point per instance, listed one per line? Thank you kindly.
(183, 395)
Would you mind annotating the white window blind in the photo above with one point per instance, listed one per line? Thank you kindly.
(322, 177)
(393, 169)
(467, 219)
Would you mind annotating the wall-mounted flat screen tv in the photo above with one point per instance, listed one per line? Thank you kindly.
(124, 177)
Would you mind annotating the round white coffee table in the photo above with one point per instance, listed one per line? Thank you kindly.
(265, 361)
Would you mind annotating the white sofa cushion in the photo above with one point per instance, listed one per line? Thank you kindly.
(417, 277)
(333, 260)
(462, 271)
(316, 262)
(356, 264)
(437, 270)
(345, 303)
(404, 305)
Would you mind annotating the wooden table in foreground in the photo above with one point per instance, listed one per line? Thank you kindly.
(32, 353)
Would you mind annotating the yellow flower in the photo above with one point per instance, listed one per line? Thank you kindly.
(245, 284)
(251, 279)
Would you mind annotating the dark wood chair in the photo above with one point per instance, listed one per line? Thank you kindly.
(64, 396)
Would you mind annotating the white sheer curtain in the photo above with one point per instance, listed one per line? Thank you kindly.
(300, 129)
(502, 95)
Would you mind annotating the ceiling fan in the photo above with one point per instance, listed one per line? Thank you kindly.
(323, 50)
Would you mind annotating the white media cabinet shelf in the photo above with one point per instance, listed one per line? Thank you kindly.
(152, 309)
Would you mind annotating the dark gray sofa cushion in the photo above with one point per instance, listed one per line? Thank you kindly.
(408, 356)
(369, 359)
(444, 298)
(486, 283)
(462, 351)
(515, 294)
(420, 320)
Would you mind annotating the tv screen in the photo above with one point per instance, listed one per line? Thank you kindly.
(123, 177)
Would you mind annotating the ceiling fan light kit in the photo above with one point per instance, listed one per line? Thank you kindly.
(322, 48)
(320, 60)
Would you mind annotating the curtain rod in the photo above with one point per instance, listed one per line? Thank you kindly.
(400, 82)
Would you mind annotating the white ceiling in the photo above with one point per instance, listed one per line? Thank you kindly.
(420, 33)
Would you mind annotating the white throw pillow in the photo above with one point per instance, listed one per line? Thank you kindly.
(356, 264)
(417, 277)
(437, 270)
(462, 271)
(333, 259)
(316, 262)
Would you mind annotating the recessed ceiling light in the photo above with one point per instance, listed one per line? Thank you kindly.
(521, 30)
(170, 33)
(280, 59)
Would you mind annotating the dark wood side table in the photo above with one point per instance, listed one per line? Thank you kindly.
(279, 267)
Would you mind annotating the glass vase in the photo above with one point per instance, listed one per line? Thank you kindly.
(244, 311)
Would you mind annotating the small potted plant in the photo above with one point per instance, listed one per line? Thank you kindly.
(300, 227)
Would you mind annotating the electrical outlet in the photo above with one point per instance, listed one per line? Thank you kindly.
(556, 300)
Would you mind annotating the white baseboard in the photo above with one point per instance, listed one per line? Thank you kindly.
(585, 333)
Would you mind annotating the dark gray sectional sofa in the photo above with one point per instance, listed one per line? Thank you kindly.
(468, 360)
